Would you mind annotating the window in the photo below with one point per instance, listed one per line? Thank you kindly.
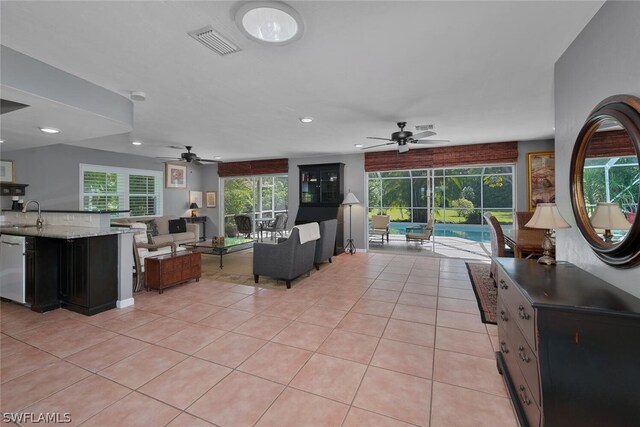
(259, 196)
(113, 188)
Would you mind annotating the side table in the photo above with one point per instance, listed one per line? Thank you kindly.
(167, 270)
(198, 220)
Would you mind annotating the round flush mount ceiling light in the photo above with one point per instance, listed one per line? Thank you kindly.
(358, 145)
(306, 119)
(49, 130)
(273, 23)
(136, 142)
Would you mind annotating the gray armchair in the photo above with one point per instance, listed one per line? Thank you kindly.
(286, 260)
(326, 245)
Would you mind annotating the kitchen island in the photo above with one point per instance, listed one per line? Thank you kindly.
(86, 269)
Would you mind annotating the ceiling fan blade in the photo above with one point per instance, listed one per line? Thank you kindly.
(424, 134)
(208, 160)
(429, 141)
(377, 137)
(378, 145)
(175, 159)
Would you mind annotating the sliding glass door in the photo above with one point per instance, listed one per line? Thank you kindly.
(261, 196)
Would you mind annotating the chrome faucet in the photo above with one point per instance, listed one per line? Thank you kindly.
(39, 220)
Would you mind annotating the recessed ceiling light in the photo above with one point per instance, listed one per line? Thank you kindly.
(269, 22)
(306, 119)
(136, 142)
(217, 157)
(358, 145)
(50, 130)
(1, 141)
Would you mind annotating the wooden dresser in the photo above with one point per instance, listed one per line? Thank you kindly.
(569, 346)
(164, 271)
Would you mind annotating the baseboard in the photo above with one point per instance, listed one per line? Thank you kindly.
(125, 303)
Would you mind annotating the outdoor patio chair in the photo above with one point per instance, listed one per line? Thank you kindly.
(380, 226)
(498, 247)
(425, 233)
(244, 224)
(278, 225)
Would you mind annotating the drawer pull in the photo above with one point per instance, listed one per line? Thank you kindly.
(503, 284)
(523, 355)
(522, 313)
(503, 317)
(503, 347)
(523, 396)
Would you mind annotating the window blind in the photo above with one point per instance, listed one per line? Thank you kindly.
(113, 188)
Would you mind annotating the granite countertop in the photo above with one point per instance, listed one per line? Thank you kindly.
(67, 211)
(61, 231)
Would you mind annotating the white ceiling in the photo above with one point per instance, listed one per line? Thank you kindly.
(480, 71)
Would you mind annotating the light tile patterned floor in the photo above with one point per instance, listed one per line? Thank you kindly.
(370, 340)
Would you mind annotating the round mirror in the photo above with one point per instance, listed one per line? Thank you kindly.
(605, 180)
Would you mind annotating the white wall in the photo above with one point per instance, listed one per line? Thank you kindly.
(604, 60)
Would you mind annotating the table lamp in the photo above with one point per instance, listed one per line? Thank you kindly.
(547, 217)
(193, 207)
(608, 216)
(350, 200)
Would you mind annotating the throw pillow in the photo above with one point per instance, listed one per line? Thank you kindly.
(152, 227)
(177, 226)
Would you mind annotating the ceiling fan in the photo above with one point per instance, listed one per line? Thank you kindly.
(403, 137)
(190, 157)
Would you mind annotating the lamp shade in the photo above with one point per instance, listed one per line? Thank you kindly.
(610, 217)
(351, 199)
(193, 206)
(547, 217)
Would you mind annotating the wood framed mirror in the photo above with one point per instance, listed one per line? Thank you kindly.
(605, 180)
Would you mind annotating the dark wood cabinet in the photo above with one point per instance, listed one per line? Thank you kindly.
(41, 273)
(12, 189)
(569, 346)
(321, 195)
(89, 274)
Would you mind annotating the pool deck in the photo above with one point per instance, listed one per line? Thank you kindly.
(438, 246)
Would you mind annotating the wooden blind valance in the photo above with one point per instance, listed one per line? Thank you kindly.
(613, 143)
(254, 167)
(439, 157)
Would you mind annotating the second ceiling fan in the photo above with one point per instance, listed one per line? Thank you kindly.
(402, 138)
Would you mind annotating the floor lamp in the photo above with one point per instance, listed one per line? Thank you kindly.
(350, 200)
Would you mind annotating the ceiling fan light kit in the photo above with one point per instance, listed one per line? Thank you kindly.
(190, 157)
(402, 137)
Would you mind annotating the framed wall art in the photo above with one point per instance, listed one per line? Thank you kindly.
(195, 197)
(7, 171)
(542, 178)
(211, 199)
(175, 176)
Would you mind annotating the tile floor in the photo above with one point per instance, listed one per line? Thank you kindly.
(370, 340)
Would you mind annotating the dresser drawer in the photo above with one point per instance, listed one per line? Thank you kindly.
(519, 307)
(525, 359)
(525, 399)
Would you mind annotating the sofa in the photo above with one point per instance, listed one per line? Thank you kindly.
(162, 226)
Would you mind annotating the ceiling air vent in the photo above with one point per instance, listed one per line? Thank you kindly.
(214, 41)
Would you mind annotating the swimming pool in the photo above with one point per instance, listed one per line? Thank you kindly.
(477, 233)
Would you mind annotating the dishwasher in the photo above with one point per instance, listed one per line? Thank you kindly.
(12, 267)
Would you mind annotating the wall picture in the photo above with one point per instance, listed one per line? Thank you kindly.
(542, 178)
(211, 199)
(7, 171)
(195, 197)
(175, 176)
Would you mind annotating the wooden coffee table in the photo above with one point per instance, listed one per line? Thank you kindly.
(231, 245)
